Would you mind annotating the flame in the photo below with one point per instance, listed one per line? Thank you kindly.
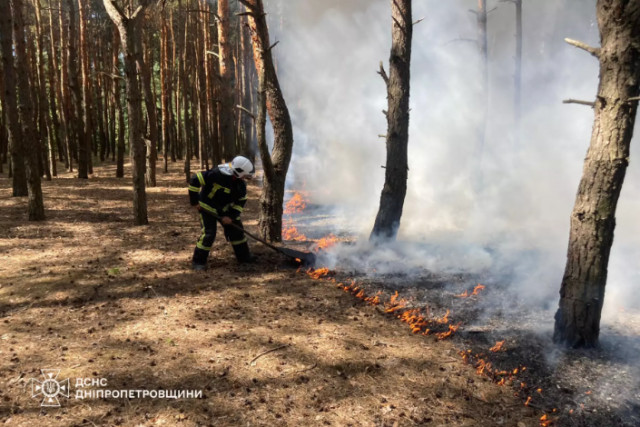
(477, 289)
(451, 331)
(292, 233)
(327, 242)
(296, 204)
(317, 274)
(497, 347)
(528, 401)
(393, 305)
(545, 421)
(444, 319)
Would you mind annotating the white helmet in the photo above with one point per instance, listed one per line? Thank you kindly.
(241, 167)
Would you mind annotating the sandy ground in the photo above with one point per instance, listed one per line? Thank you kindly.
(91, 295)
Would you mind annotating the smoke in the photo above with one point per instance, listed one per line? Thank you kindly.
(515, 223)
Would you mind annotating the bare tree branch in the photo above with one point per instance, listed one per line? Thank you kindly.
(577, 101)
(383, 73)
(273, 45)
(595, 51)
(418, 21)
(210, 52)
(240, 107)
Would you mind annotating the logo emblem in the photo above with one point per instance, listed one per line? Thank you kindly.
(50, 388)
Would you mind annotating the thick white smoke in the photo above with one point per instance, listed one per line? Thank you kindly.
(518, 223)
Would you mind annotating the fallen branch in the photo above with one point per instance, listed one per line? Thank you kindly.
(595, 51)
(253, 362)
(577, 101)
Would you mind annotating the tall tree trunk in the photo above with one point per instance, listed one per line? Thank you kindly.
(76, 94)
(246, 77)
(10, 108)
(26, 113)
(175, 100)
(44, 100)
(227, 96)
(577, 321)
(165, 82)
(67, 108)
(395, 180)
(517, 99)
(275, 164)
(129, 28)
(55, 96)
(4, 141)
(202, 98)
(84, 142)
(144, 66)
(481, 16)
(120, 145)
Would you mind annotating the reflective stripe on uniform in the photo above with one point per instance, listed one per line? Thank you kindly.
(208, 208)
(238, 208)
(203, 247)
(243, 199)
(200, 178)
(194, 189)
(238, 242)
(217, 187)
(199, 243)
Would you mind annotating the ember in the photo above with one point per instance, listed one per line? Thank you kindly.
(497, 347)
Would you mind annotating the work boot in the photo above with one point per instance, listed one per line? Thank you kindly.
(243, 254)
(198, 267)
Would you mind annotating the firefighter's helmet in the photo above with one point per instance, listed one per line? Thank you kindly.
(241, 167)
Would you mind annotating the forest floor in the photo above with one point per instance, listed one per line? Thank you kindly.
(117, 306)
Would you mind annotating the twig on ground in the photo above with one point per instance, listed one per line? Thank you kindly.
(253, 361)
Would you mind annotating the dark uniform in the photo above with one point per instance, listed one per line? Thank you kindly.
(219, 195)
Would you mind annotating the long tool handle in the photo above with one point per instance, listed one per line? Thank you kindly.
(237, 227)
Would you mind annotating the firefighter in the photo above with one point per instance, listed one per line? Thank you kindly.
(220, 194)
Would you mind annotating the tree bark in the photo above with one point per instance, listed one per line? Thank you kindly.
(129, 28)
(67, 107)
(275, 164)
(165, 82)
(117, 100)
(76, 94)
(55, 97)
(45, 112)
(26, 113)
(84, 144)
(395, 181)
(577, 321)
(10, 108)
(227, 96)
(144, 67)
